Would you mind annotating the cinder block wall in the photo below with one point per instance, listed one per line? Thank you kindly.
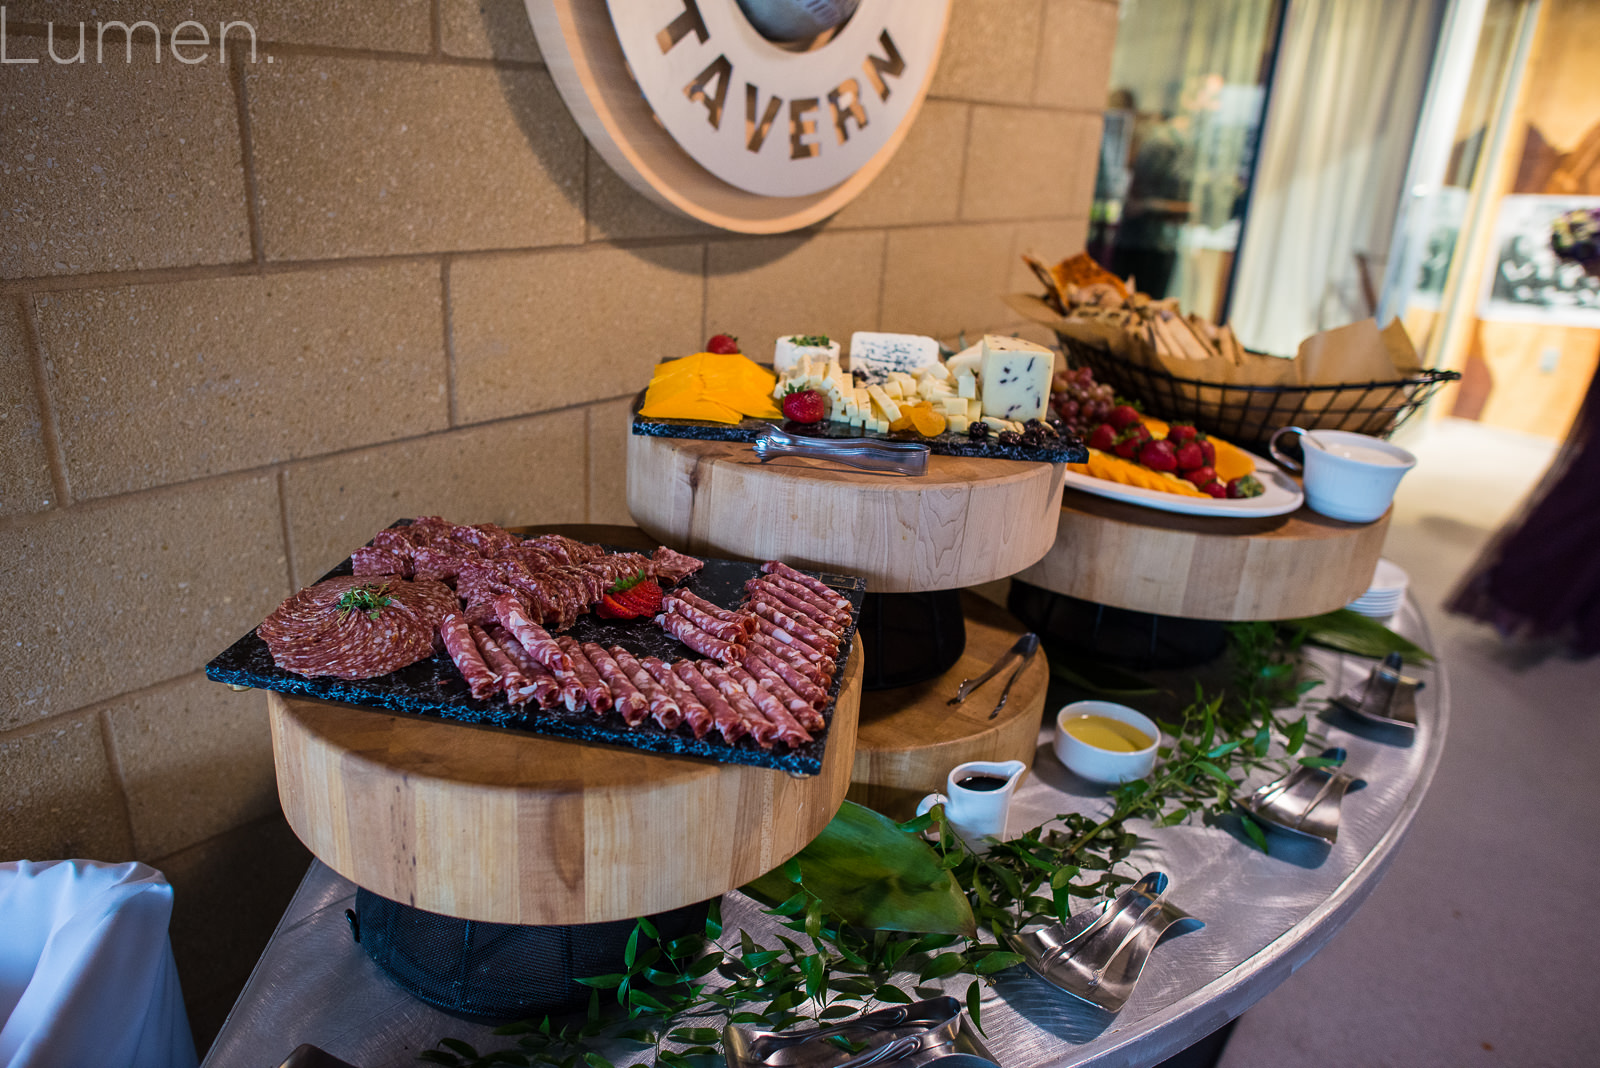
(251, 312)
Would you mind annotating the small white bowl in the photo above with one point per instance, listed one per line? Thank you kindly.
(1102, 765)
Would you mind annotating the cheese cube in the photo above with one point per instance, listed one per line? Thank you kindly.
(952, 406)
(894, 389)
(789, 351)
(974, 409)
(1016, 378)
(959, 424)
(877, 354)
(885, 403)
(966, 362)
(966, 386)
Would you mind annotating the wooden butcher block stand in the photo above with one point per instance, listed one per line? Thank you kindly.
(965, 522)
(498, 825)
(1205, 567)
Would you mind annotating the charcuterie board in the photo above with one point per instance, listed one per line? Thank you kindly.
(1063, 451)
(432, 688)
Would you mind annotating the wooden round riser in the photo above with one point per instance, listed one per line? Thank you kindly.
(964, 522)
(910, 738)
(488, 824)
(1200, 567)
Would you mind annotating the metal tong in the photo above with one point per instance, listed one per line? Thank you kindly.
(1305, 801)
(893, 457)
(1024, 647)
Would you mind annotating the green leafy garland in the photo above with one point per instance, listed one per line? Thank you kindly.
(837, 960)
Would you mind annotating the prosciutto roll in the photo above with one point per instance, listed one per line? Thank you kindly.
(595, 693)
(803, 710)
(546, 690)
(723, 629)
(817, 639)
(790, 730)
(633, 706)
(728, 722)
(801, 684)
(761, 729)
(663, 709)
(695, 714)
(777, 635)
(713, 610)
(698, 640)
(457, 635)
(513, 616)
(815, 585)
(517, 686)
(805, 607)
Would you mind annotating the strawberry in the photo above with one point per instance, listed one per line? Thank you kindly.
(1103, 437)
(723, 344)
(805, 406)
(1245, 486)
(1215, 488)
(1208, 451)
(630, 598)
(1200, 476)
(1123, 416)
(1178, 433)
(1159, 455)
(1190, 456)
(1131, 440)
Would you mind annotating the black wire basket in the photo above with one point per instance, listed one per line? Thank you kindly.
(1248, 415)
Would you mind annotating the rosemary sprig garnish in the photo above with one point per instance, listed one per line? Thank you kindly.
(367, 598)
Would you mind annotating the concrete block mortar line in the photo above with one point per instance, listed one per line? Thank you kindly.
(247, 161)
(113, 500)
(440, 58)
(436, 28)
(1038, 52)
(447, 317)
(114, 761)
(41, 390)
(285, 529)
(961, 175)
(1013, 105)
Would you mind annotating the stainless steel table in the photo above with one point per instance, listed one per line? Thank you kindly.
(1265, 916)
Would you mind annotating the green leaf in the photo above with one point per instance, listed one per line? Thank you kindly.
(1320, 762)
(869, 873)
(1214, 771)
(1352, 632)
(631, 950)
(792, 870)
(892, 995)
(603, 982)
(1063, 876)
(459, 1047)
(1257, 835)
(997, 962)
(647, 927)
(1224, 749)
(594, 1060)
(1263, 742)
(942, 965)
(838, 1012)
(974, 997)
(1295, 736)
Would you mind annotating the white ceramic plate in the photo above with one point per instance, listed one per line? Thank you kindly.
(1282, 495)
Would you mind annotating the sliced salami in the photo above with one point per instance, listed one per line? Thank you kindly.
(546, 690)
(633, 706)
(673, 567)
(761, 730)
(482, 681)
(698, 640)
(790, 730)
(727, 721)
(595, 694)
(517, 686)
(663, 709)
(695, 714)
(726, 630)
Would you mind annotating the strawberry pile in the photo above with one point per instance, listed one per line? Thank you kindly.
(633, 597)
(1184, 452)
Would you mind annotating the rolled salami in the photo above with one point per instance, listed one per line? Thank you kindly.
(698, 640)
(633, 705)
(457, 634)
(595, 693)
(723, 717)
(695, 714)
(663, 708)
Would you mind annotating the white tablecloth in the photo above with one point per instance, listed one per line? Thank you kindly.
(86, 970)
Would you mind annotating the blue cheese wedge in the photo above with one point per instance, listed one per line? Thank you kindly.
(877, 355)
(1016, 378)
(793, 348)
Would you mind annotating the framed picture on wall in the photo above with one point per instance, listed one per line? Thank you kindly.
(1528, 283)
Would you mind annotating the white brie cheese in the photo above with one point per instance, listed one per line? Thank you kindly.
(787, 354)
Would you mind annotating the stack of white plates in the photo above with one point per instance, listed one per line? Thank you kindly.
(1383, 597)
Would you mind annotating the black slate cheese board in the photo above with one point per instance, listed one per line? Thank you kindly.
(434, 689)
(1067, 450)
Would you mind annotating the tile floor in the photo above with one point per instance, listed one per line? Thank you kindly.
(1478, 947)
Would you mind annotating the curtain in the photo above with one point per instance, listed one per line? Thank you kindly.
(1340, 125)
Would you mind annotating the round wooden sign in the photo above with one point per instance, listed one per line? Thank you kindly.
(717, 110)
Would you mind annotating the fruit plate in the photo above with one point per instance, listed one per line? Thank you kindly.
(1280, 497)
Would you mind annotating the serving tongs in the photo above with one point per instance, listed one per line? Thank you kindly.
(924, 1032)
(1097, 957)
(1386, 697)
(1024, 647)
(1305, 801)
(892, 457)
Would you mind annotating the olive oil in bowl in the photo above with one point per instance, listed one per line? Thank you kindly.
(1106, 733)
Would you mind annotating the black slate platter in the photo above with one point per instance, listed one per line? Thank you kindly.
(1068, 450)
(434, 689)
